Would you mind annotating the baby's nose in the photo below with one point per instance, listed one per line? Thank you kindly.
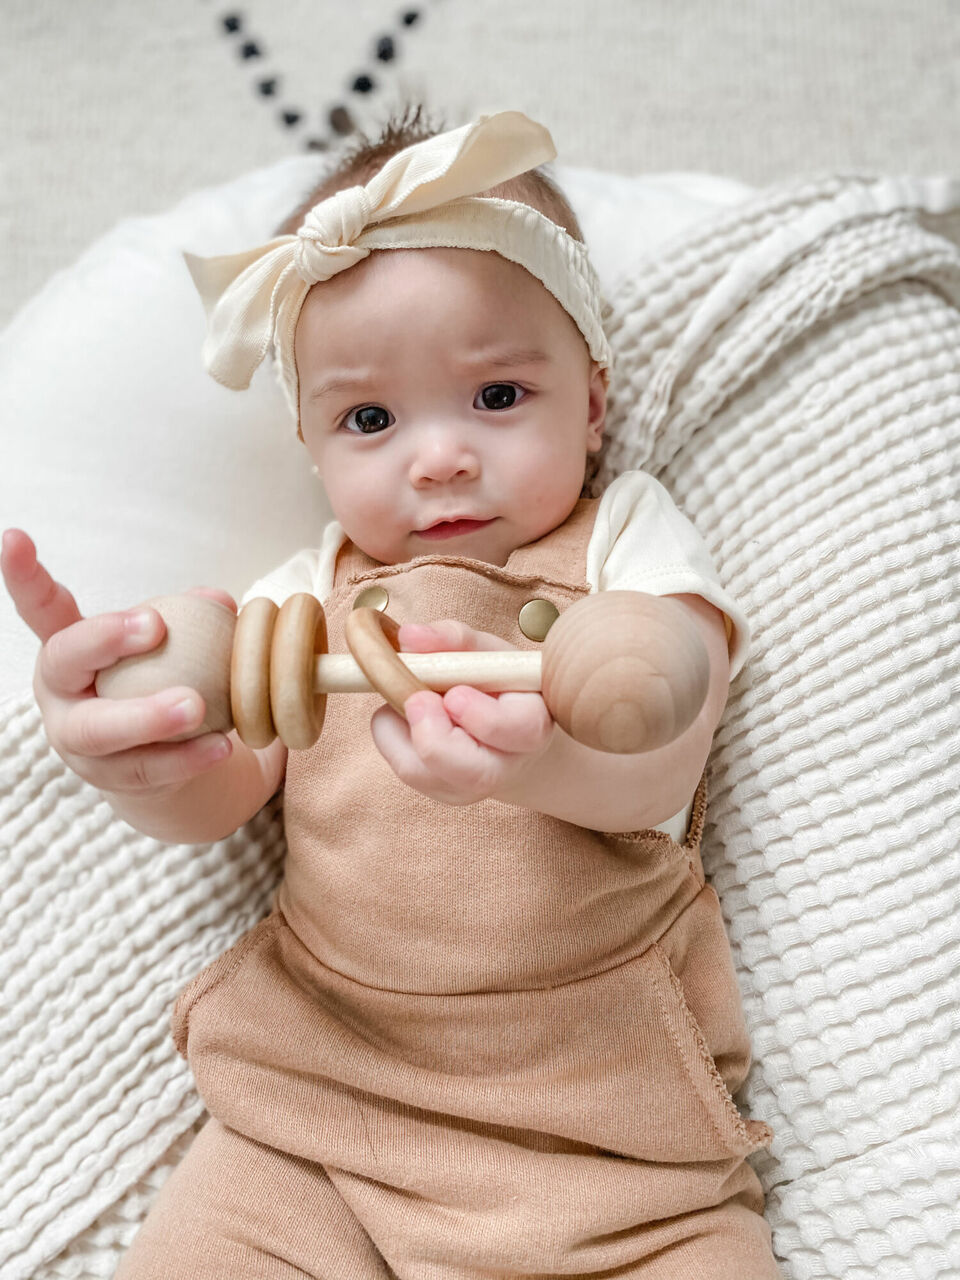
(443, 455)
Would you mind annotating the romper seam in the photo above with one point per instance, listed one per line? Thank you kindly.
(237, 954)
(482, 569)
(706, 1058)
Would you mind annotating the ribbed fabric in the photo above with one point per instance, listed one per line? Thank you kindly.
(426, 196)
(814, 442)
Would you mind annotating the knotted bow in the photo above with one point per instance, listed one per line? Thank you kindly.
(249, 295)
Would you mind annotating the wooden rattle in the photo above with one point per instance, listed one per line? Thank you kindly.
(620, 671)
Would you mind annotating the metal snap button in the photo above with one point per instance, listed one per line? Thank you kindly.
(374, 597)
(537, 617)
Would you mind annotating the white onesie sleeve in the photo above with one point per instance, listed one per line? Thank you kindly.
(309, 570)
(642, 542)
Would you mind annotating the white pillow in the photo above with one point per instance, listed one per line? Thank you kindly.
(138, 475)
(134, 472)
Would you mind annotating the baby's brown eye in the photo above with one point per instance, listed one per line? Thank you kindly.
(370, 419)
(497, 395)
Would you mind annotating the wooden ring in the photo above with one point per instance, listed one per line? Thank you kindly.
(250, 672)
(374, 640)
(299, 635)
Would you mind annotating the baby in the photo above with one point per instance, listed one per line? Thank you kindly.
(491, 1027)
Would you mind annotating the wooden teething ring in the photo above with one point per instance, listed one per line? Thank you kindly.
(299, 635)
(250, 672)
(374, 640)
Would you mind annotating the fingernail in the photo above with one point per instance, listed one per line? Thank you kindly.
(183, 711)
(417, 708)
(140, 625)
(456, 701)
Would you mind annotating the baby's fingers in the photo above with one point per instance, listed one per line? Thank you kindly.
(71, 658)
(105, 726)
(157, 767)
(518, 723)
(45, 606)
(447, 635)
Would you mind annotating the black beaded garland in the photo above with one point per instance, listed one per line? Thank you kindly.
(337, 117)
(340, 120)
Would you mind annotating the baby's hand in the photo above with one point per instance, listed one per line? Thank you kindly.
(116, 746)
(462, 746)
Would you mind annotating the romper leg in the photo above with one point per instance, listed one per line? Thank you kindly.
(234, 1209)
(728, 1242)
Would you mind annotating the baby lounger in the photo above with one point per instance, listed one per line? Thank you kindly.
(787, 363)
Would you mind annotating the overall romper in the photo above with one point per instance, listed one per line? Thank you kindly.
(468, 1041)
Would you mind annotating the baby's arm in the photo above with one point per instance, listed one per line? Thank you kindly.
(211, 806)
(467, 745)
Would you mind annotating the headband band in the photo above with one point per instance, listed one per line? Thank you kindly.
(423, 197)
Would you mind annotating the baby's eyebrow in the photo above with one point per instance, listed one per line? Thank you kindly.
(342, 380)
(492, 358)
(497, 357)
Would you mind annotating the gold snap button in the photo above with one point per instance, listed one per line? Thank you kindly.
(372, 598)
(537, 617)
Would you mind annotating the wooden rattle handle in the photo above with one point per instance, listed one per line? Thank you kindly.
(620, 671)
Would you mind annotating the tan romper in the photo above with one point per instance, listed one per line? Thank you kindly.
(468, 1041)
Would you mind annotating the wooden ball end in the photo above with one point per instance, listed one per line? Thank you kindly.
(624, 671)
(194, 652)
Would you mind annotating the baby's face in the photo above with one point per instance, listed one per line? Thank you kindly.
(441, 385)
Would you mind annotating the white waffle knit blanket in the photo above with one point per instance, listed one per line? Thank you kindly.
(791, 371)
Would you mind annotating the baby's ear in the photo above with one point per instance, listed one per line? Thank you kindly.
(597, 412)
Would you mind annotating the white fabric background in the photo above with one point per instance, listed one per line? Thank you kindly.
(118, 108)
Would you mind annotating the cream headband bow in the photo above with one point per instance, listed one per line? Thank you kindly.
(423, 197)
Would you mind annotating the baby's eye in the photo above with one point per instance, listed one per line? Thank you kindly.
(368, 420)
(498, 395)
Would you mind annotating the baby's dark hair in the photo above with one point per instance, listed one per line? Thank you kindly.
(364, 157)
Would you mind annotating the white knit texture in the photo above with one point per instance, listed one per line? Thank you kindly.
(100, 927)
(814, 439)
(802, 406)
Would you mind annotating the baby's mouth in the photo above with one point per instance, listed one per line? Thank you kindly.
(452, 528)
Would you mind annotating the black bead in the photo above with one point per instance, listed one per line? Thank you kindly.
(340, 120)
(268, 87)
(250, 50)
(362, 84)
(290, 118)
(232, 22)
(385, 49)
(410, 17)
